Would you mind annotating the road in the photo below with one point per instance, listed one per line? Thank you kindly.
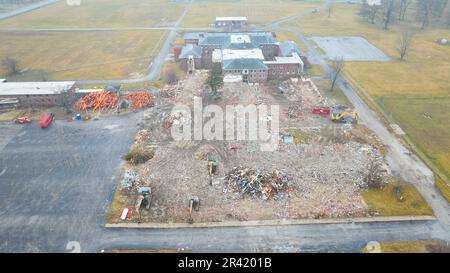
(27, 9)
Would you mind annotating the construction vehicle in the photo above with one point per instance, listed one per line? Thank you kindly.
(143, 200)
(212, 168)
(194, 204)
(46, 120)
(344, 117)
(22, 120)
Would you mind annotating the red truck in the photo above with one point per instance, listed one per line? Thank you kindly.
(321, 110)
(46, 120)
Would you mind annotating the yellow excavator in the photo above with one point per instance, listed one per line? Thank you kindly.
(194, 203)
(212, 168)
(345, 117)
(143, 200)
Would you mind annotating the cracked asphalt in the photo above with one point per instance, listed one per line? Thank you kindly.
(57, 183)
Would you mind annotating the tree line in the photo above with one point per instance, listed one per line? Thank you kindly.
(388, 12)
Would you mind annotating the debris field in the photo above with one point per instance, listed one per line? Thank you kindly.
(318, 173)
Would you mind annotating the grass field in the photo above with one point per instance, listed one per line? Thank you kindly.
(385, 203)
(415, 92)
(289, 36)
(100, 13)
(421, 246)
(80, 55)
(203, 12)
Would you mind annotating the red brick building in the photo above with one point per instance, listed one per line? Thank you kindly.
(36, 93)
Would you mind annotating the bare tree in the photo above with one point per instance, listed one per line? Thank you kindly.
(447, 20)
(170, 77)
(330, 7)
(369, 12)
(403, 7)
(388, 16)
(11, 65)
(404, 42)
(424, 8)
(336, 69)
(66, 101)
(374, 11)
(374, 178)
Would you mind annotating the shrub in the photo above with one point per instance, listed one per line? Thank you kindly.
(139, 155)
(374, 177)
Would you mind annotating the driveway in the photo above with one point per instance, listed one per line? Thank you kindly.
(57, 183)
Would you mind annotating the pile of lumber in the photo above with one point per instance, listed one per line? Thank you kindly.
(98, 101)
(140, 100)
(259, 183)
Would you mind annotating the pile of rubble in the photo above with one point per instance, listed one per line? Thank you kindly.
(259, 183)
(142, 136)
(140, 100)
(294, 111)
(172, 91)
(130, 180)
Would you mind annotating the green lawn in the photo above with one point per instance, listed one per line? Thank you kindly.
(385, 203)
(100, 13)
(421, 246)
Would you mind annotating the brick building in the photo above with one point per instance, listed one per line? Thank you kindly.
(230, 22)
(256, 56)
(191, 57)
(36, 93)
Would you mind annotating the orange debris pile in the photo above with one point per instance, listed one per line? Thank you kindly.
(99, 100)
(140, 100)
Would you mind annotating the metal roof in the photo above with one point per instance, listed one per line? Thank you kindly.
(239, 18)
(240, 64)
(236, 40)
(287, 48)
(34, 88)
(254, 53)
(191, 50)
(294, 59)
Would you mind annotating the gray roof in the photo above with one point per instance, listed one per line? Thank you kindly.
(289, 47)
(34, 88)
(191, 50)
(222, 39)
(192, 35)
(239, 64)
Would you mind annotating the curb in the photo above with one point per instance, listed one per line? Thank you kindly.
(273, 222)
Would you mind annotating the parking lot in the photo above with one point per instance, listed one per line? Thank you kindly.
(349, 48)
(57, 183)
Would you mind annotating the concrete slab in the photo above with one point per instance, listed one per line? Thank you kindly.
(349, 48)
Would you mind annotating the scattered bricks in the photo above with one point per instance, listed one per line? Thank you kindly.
(129, 180)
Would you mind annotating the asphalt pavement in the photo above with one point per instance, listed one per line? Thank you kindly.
(57, 183)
